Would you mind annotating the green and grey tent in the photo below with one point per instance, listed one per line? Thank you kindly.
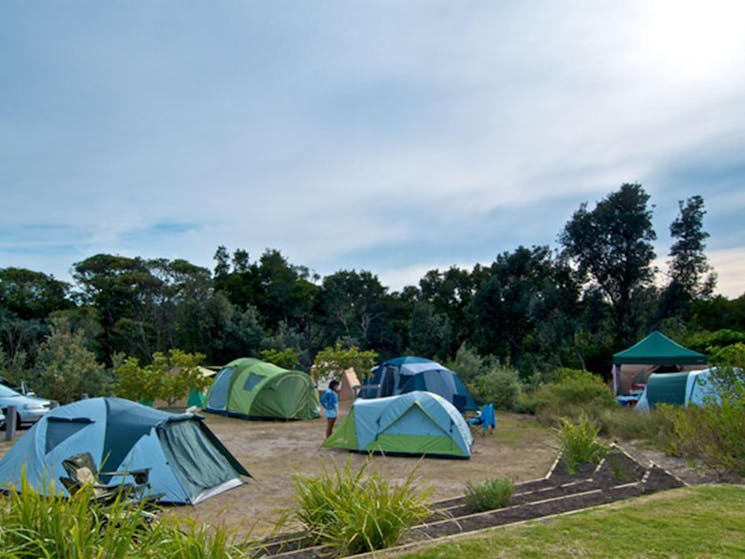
(251, 388)
(683, 389)
(187, 462)
(418, 423)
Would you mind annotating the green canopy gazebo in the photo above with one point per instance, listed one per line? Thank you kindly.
(654, 354)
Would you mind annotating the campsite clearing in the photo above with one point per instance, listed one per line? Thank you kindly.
(273, 451)
(519, 449)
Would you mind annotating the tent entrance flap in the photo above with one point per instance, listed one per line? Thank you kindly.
(198, 466)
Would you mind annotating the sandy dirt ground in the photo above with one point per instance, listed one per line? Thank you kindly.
(273, 452)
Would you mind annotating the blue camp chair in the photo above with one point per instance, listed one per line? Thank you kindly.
(489, 421)
(485, 417)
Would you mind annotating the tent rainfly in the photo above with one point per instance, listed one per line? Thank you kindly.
(407, 374)
(418, 423)
(187, 461)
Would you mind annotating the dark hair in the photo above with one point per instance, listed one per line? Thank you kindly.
(333, 384)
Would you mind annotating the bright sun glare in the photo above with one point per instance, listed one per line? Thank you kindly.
(694, 40)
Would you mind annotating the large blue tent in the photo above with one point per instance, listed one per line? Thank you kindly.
(187, 462)
(406, 374)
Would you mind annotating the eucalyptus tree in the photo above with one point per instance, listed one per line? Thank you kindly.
(449, 294)
(119, 288)
(430, 333)
(26, 300)
(691, 276)
(612, 247)
(351, 305)
(524, 305)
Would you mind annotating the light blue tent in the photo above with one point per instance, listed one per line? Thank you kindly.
(187, 462)
(418, 423)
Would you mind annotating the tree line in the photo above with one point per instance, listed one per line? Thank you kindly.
(534, 308)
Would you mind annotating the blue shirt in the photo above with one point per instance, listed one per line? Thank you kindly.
(329, 401)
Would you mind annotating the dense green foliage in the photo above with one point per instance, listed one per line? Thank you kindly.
(331, 362)
(169, 377)
(357, 512)
(499, 386)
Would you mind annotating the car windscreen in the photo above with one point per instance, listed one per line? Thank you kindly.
(5, 392)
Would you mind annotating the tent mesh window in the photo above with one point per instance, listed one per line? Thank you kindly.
(252, 381)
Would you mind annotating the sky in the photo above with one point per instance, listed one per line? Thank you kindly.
(395, 137)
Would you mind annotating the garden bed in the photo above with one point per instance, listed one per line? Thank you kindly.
(618, 476)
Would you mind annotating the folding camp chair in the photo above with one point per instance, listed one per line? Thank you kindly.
(485, 417)
(82, 471)
(488, 420)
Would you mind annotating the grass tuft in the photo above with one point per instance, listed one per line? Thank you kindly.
(579, 444)
(354, 512)
(490, 494)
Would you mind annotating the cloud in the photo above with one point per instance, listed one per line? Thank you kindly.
(387, 136)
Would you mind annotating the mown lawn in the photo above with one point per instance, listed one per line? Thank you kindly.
(701, 522)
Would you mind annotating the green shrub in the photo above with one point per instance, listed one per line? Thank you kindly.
(470, 365)
(579, 444)
(499, 386)
(490, 494)
(628, 424)
(571, 394)
(355, 513)
(713, 433)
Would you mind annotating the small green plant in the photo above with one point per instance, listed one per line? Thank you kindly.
(579, 444)
(490, 494)
(354, 512)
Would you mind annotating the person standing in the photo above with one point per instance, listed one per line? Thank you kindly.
(330, 405)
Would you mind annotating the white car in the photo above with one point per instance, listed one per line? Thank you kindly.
(29, 409)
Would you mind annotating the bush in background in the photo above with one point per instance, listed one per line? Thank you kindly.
(470, 365)
(169, 377)
(500, 386)
(65, 368)
(628, 424)
(572, 393)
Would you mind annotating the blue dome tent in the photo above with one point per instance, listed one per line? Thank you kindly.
(187, 462)
(416, 423)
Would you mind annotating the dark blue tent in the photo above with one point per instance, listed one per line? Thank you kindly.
(407, 374)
